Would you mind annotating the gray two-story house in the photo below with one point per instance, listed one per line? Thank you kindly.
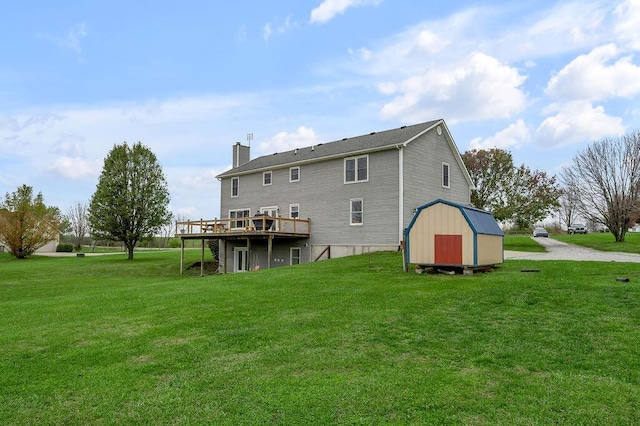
(333, 199)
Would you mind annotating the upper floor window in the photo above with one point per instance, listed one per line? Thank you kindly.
(266, 178)
(235, 186)
(294, 211)
(356, 169)
(445, 175)
(356, 211)
(294, 174)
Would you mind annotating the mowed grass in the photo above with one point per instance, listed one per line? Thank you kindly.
(102, 340)
(604, 241)
(522, 243)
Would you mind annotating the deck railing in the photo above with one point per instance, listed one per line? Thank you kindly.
(253, 224)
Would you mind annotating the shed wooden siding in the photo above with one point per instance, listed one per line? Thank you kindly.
(490, 249)
(439, 219)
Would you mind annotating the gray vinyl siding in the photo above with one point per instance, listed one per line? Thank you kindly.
(280, 253)
(423, 160)
(324, 198)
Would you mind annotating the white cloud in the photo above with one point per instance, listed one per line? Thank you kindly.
(478, 87)
(626, 28)
(284, 141)
(271, 28)
(72, 40)
(595, 76)
(267, 31)
(75, 168)
(513, 136)
(329, 9)
(577, 122)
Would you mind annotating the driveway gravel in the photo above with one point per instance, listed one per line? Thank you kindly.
(557, 250)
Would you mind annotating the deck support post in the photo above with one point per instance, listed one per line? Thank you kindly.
(202, 259)
(181, 255)
(269, 250)
(225, 257)
(249, 266)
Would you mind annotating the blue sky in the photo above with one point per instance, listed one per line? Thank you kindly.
(189, 79)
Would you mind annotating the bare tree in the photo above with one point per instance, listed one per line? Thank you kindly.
(79, 219)
(569, 204)
(166, 231)
(606, 178)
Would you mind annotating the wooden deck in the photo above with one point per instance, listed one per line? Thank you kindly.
(246, 227)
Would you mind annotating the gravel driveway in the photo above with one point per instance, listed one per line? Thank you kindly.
(557, 250)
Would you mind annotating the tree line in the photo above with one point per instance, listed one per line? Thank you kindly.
(130, 203)
(601, 184)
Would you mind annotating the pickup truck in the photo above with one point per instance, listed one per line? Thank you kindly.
(577, 228)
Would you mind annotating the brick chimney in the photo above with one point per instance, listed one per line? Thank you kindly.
(241, 155)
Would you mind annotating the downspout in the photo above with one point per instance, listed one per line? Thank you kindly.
(400, 192)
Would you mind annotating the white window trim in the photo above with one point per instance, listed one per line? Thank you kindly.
(237, 219)
(351, 223)
(448, 185)
(290, 207)
(344, 169)
(264, 175)
(291, 249)
(237, 179)
(290, 169)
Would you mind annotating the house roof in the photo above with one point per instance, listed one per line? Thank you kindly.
(375, 141)
(481, 221)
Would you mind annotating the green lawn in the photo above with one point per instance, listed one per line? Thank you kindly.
(102, 340)
(604, 241)
(522, 243)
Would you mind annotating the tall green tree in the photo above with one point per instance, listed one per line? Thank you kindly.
(516, 194)
(26, 222)
(492, 172)
(132, 197)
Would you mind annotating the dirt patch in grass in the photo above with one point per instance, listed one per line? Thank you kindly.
(209, 266)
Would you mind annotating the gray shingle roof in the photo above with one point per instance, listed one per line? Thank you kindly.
(360, 144)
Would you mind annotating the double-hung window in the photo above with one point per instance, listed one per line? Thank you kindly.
(356, 211)
(356, 169)
(235, 186)
(294, 211)
(294, 174)
(238, 214)
(266, 178)
(445, 175)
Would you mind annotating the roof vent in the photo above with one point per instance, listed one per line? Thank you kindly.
(275, 153)
(344, 139)
(403, 127)
(372, 133)
(295, 151)
(313, 148)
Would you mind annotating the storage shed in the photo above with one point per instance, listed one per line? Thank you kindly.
(443, 233)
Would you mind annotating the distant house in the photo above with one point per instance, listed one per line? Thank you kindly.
(332, 199)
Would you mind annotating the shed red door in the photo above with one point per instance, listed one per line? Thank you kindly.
(448, 249)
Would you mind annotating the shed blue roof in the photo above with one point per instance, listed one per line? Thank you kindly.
(481, 221)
